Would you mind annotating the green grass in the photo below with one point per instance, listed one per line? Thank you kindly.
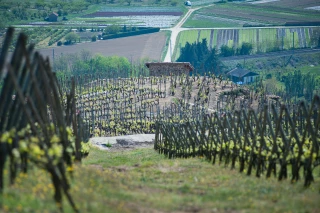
(184, 37)
(311, 69)
(205, 34)
(192, 23)
(267, 38)
(166, 47)
(144, 181)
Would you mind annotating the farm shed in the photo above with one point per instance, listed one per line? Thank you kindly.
(242, 76)
(168, 68)
(188, 3)
(53, 17)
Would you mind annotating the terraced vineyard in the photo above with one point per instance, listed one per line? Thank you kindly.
(125, 106)
(44, 120)
(263, 39)
(271, 141)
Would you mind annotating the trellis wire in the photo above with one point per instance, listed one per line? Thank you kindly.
(255, 140)
(33, 108)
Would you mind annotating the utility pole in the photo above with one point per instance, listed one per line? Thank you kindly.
(170, 49)
(53, 60)
(131, 70)
(91, 61)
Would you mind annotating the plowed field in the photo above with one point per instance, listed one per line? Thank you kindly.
(135, 47)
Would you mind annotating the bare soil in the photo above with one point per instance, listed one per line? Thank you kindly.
(134, 48)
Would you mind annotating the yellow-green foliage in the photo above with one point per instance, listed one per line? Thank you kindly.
(142, 180)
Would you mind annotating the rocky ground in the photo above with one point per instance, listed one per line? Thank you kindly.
(127, 142)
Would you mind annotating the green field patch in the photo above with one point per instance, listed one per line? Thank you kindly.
(262, 39)
(208, 21)
(190, 36)
(205, 34)
(143, 180)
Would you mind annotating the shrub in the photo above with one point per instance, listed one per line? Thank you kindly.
(72, 37)
(94, 38)
(67, 43)
(246, 49)
(226, 51)
(269, 76)
(113, 29)
(59, 43)
(174, 3)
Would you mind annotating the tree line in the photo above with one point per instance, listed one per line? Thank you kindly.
(206, 60)
(12, 11)
(245, 49)
(85, 62)
(201, 57)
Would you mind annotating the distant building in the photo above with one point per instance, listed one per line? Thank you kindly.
(242, 76)
(168, 68)
(188, 3)
(53, 17)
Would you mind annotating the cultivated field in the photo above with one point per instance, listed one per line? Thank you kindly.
(135, 16)
(135, 47)
(278, 143)
(290, 4)
(263, 39)
(270, 13)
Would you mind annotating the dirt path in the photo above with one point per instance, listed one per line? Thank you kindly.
(126, 142)
(176, 30)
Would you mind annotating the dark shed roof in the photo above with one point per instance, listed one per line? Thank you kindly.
(186, 64)
(240, 72)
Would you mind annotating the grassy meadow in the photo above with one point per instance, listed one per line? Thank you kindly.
(142, 180)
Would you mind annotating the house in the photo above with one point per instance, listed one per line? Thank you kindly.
(53, 17)
(242, 76)
(169, 68)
